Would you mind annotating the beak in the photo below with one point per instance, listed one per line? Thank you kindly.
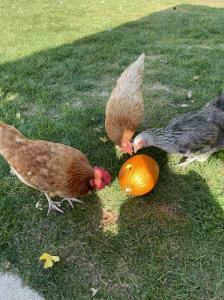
(135, 148)
(130, 152)
(138, 144)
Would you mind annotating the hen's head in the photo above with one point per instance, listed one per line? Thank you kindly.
(101, 178)
(126, 147)
(140, 141)
(125, 141)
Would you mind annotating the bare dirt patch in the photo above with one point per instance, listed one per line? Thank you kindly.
(108, 218)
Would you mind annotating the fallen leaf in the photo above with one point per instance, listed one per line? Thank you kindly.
(49, 260)
(12, 97)
(196, 77)
(189, 94)
(7, 264)
(94, 291)
(104, 139)
(18, 115)
(163, 61)
(119, 153)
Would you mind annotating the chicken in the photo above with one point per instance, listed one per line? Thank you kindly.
(55, 169)
(195, 135)
(125, 108)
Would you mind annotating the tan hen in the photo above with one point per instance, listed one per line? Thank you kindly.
(125, 108)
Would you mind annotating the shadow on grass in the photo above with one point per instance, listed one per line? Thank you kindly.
(167, 244)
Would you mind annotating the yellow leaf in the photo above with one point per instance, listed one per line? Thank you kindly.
(44, 256)
(48, 264)
(55, 258)
(49, 260)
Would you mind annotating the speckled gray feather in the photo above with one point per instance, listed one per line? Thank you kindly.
(192, 134)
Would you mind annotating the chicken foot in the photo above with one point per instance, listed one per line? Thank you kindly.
(70, 200)
(53, 205)
(187, 161)
(201, 158)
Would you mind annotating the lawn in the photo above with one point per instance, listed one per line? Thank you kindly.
(59, 61)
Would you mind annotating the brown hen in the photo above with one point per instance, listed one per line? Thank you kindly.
(55, 169)
(125, 108)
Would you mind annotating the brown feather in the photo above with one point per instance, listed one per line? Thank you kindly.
(50, 167)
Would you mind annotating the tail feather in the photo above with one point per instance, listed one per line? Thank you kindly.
(220, 101)
(131, 79)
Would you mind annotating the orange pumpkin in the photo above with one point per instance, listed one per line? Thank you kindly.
(138, 175)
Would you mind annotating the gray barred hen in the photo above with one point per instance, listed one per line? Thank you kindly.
(195, 135)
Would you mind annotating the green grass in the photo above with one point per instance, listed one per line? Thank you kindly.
(59, 62)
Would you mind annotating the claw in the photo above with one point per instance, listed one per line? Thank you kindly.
(53, 205)
(188, 161)
(183, 165)
(70, 200)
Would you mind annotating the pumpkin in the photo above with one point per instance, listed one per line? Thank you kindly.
(138, 175)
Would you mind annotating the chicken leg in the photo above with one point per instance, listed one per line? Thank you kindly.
(201, 158)
(53, 205)
(187, 161)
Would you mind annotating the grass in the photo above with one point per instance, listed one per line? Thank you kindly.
(59, 62)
